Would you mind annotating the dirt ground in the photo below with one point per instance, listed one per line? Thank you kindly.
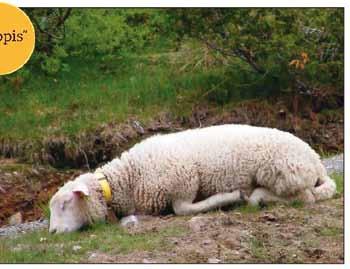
(323, 131)
(278, 234)
(26, 188)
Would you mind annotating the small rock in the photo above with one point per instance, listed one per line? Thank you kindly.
(19, 247)
(294, 255)
(43, 239)
(231, 243)
(316, 252)
(77, 248)
(138, 127)
(16, 219)
(206, 242)
(99, 257)
(93, 235)
(213, 260)
(35, 172)
(129, 221)
(268, 217)
(92, 256)
(146, 261)
(2, 190)
(226, 220)
(197, 223)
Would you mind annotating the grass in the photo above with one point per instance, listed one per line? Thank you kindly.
(97, 91)
(296, 204)
(92, 93)
(45, 209)
(339, 180)
(41, 247)
(14, 167)
(249, 209)
(257, 249)
(331, 231)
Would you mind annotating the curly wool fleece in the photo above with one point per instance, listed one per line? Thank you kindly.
(199, 163)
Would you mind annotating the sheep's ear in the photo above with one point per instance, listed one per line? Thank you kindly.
(81, 190)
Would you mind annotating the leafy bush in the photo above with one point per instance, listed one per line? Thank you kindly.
(270, 50)
(88, 33)
(285, 48)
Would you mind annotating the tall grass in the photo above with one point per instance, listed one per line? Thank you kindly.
(96, 91)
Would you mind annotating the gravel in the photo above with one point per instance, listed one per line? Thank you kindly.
(24, 228)
(333, 164)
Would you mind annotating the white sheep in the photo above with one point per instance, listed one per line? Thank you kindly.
(195, 171)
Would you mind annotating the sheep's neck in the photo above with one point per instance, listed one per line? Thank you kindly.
(118, 176)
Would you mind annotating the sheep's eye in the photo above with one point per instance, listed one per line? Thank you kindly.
(64, 204)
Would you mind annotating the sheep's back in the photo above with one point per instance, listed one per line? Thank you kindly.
(218, 159)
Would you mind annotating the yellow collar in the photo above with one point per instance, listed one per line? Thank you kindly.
(106, 189)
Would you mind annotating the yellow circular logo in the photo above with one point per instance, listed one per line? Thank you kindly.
(17, 38)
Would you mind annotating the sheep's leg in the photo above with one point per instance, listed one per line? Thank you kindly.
(182, 207)
(263, 195)
(305, 196)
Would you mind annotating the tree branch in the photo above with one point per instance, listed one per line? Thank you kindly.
(240, 53)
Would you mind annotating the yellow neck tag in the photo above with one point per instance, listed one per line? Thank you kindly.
(106, 189)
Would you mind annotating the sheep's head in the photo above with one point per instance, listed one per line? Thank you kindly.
(68, 208)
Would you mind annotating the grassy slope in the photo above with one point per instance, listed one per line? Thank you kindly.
(96, 91)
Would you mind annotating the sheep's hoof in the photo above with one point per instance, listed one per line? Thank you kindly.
(262, 204)
(243, 196)
(129, 221)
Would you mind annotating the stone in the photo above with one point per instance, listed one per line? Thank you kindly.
(76, 248)
(2, 190)
(232, 238)
(213, 260)
(16, 219)
(18, 247)
(226, 220)
(99, 257)
(207, 242)
(129, 221)
(269, 217)
(197, 223)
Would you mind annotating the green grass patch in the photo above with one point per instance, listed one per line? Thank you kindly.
(257, 249)
(331, 231)
(296, 204)
(248, 209)
(42, 247)
(93, 93)
(14, 167)
(339, 181)
(45, 208)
